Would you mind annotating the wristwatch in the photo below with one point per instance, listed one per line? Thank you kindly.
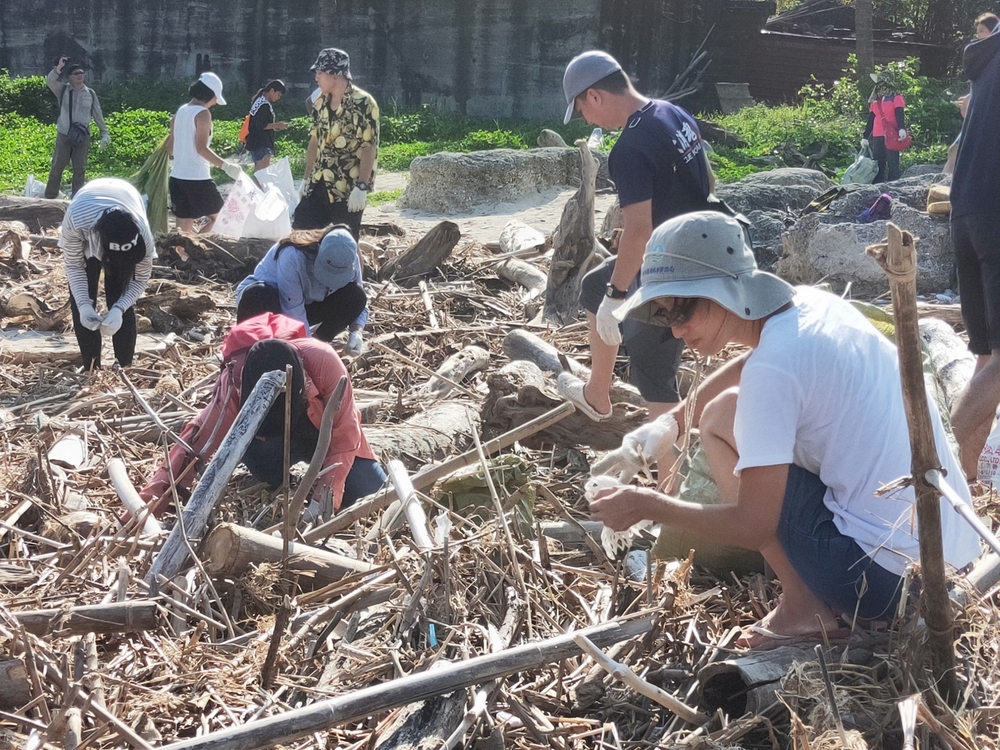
(363, 185)
(613, 292)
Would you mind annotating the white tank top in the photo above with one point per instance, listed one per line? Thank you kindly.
(188, 163)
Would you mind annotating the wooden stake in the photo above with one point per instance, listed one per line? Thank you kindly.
(898, 258)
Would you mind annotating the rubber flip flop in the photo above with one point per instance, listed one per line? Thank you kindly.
(570, 388)
(776, 640)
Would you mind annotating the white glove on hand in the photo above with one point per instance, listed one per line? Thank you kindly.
(355, 343)
(618, 464)
(113, 321)
(607, 323)
(89, 317)
(105, 140)
(864, 143)
(357, 200)
(644, 445)
(232, 169)
(902, 133)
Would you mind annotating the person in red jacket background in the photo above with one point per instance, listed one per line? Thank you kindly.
(885, 112)
(350, 468)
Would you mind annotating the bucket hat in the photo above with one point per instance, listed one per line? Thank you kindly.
(336, 259)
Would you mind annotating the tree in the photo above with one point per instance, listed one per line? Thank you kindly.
(865, 41)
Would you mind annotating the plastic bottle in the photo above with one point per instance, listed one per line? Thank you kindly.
(596, 139)
(989, 459)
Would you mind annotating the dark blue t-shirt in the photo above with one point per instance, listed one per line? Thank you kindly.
(975, 187)
(659, 157)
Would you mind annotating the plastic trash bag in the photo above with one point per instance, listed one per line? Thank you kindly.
(33, 188)
(252, 212)
(864, 169)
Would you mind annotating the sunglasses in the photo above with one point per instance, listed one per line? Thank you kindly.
(681, 312)
(78, 72)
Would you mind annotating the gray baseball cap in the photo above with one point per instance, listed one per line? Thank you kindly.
(336, 260)
(704, 254)
(584, 71)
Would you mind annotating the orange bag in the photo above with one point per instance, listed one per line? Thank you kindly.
(244, 129)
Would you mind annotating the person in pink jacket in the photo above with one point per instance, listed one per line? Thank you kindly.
(886, 115)
(351, 469)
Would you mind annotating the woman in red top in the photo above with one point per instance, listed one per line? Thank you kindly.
(885, 111)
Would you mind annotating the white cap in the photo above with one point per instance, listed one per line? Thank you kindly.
(215, 83)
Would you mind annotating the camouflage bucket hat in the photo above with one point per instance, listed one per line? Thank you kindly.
(334, 61)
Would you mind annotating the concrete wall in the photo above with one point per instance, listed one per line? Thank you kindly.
(497, 58)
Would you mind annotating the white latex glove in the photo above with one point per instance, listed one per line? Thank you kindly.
(607, 323)
(902, 133)
(355, 343)
(89, 317)
(232, 169)
(113, 321)
(357, 200)
(864, 143)
(105, 140)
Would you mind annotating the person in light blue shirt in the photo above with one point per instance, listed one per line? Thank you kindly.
(313, 276)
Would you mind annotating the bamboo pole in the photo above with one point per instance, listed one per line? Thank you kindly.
(898, 258)
(123, 617)
(430, 474)
(288, 726)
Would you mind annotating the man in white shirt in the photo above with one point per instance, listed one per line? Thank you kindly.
(800, 432)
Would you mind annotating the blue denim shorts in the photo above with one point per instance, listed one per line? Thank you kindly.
(834, 567)
(260, 153)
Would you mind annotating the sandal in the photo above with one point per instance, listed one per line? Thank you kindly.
(775, 640)
(570, 387)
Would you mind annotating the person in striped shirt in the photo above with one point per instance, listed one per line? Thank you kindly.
(105, 229)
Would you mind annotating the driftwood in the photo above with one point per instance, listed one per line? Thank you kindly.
(898, 257)
(212, 255)
(130, 498)
(425, 256)
(573, 245)
(456, 368)
(191, 522)
(517, 239)
(15, 690)
(37, 213)
(431, 474)
(519, 391)
(322, 715)
(950, 357)
(229, 550)
(531, 277)
(427, 436)
(424, 725)
(117, 617)
(522, 344)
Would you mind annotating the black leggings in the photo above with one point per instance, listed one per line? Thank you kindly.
(117, 276)
(332, 314)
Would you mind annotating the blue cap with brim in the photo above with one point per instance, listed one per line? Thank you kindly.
(336, 260)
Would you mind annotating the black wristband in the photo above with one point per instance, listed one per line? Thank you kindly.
(613, 292)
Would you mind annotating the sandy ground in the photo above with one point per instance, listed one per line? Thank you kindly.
(541, 211)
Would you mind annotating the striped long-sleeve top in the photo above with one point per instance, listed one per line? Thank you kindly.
(79, 241)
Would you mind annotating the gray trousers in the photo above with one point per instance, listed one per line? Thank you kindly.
(62, 156)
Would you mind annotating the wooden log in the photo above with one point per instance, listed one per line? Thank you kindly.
(423, 257)
(526, 275)
(517, 239)
(573, 244)
(73, 732)
(212, 255)
(116, 617)
(519, 391)
(522, 344)
(193, 519)
(431, 474)
(38, 214)
(15, 690)
(424, 725)
(322, 715)
(456, 368)
(898, 257)
(949, 355)
(230, 550)
(427, 436)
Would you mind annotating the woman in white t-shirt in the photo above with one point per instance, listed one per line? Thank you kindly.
(193, 194)
(799, 433)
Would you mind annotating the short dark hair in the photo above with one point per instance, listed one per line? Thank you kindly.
(989, 20)
(276, 85)
(615, 83)
(201, 92)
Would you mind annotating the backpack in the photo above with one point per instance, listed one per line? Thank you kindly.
(245, 334)
(244, 130)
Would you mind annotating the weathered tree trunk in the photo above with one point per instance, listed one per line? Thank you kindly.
(424, 725)
(229, 550)
(951, 359)
(38, 214)
(15, 691)
(518, 239)
(117, 617)
(573, 245)
(456, 368)
(865, 42)
(531, 277)
(426, 255)
(428, 436)
(212, 255)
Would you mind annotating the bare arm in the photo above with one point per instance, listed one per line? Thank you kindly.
(311, 152)
(367, 156)
(52, 79)
(708, 166)
(638, 218)
(170, 139)
(202, 136)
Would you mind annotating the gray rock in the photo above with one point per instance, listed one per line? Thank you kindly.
(789, 176)
(766, 230)
(449, 183)
(823, 246)
(788, 189)
(911, 191)
(550, 139)
(921, 169)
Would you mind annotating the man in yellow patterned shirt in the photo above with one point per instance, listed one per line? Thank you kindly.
(343, 147)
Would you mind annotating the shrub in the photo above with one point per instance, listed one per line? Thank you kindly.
(25, 148)
(28, 97)
(483, 140)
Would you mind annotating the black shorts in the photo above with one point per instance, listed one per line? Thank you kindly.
(654, 354)
(316, 210)
(192, 199)
(977, 259)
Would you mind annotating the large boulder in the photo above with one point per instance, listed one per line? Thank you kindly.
(824, 246)
(910, 191)
(448, 183)
(788, 189)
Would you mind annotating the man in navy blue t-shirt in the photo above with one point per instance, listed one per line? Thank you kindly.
(661, 170)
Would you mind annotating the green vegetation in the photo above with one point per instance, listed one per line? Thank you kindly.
(379, 197)
(138, 115)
